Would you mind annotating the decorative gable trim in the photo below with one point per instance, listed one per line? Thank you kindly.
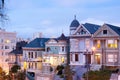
(105, 27)
(51, 41)
(79, 28)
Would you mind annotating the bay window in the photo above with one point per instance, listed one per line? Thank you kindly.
(112, 58)
(112, 44)
(98, 44)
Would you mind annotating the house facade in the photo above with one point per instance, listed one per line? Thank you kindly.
(107, 43)
(16, 55)
(42, 53)
(32, 55)
(81, 42)
(104, 38)
(7, 43)
(56, 51)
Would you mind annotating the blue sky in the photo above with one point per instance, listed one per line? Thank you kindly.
(52, 17)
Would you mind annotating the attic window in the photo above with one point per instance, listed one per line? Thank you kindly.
(104, 31)
(83, 32)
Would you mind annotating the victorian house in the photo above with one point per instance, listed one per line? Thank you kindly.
(56, 51)
(32, 55)
(81, 42)
(42, 53)
(107, 43)
(16, 55)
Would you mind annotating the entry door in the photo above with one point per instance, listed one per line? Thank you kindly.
(88, 58)
(97, 59)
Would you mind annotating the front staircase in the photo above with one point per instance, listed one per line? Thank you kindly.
(95, 67)
(114, 76)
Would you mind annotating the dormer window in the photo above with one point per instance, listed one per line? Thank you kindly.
(104, 31)
(82, 32)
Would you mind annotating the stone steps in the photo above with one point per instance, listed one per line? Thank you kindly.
(114, 77)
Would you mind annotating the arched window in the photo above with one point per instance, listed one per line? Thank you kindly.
(48, 49)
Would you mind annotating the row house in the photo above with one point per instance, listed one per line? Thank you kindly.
(56, 50)
(94, 44)
(16, 55)
(32, 55)
(107, 43)
(81, 42)
(42, 53)
(7, 44)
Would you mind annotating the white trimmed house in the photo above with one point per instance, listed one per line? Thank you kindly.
(56, 51)
(107, 43)
(81, 42)
(105, 39)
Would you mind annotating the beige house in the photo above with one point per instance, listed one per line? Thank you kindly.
(7, 43)
(107, 43)
(32, 56)
(105, 39)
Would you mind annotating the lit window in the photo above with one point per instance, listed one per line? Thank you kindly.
(115, 44)
(98, 44)
(112, 58)
(112, 44)
(62, 59)
(7, 41)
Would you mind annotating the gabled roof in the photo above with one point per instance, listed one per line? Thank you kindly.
(115, 28)
(62, 37)
(37, 43)
(18, 49)
(92, 28)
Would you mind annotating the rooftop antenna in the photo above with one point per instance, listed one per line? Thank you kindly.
(62, 31)
(75, 17)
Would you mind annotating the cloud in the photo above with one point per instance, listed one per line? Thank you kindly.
(46, 22)
(99, 22)
(93, 20)
(78, 2)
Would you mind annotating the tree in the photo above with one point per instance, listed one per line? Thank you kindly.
(68, 73)
(98, 75)
(3, 75)
(2, 2)
(15, 68)
(3, 16)
(16, 73)
(21, 75)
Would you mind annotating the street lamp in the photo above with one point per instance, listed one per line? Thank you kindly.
(93, 49)
(87, 63)
(102, 59)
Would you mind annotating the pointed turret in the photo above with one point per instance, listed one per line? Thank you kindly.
(74, 24)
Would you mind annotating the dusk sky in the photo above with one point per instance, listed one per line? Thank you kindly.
(52, 17)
